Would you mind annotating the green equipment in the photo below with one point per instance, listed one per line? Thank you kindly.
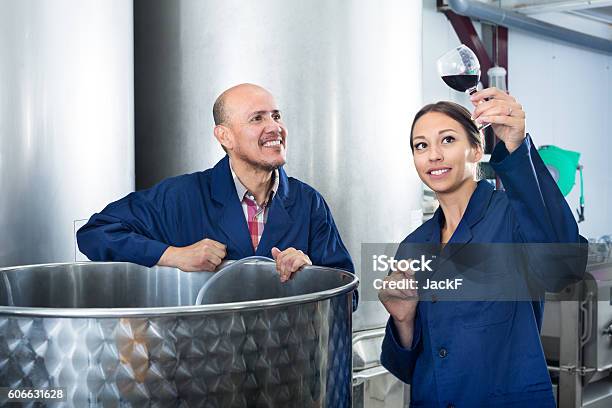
(562, 165)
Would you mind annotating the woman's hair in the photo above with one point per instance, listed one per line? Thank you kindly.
(453, 111)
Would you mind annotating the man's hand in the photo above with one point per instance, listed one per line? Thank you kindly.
(289, 261)
(503, 112)
(204, 255)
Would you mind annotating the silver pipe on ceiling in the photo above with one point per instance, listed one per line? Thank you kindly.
(511, 19)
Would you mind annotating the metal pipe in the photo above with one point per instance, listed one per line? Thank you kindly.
(570, 5)
(370, 334)
(362, 376)
(511, 19)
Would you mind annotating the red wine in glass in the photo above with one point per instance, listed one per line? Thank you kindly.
(461, 83)
(460, 70)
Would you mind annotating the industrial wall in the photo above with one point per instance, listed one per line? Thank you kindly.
(566, 93)
(346, 79)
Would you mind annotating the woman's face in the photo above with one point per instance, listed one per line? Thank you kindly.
(443, 155)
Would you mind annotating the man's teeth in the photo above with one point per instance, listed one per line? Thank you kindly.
(438, 172)
(272, 143)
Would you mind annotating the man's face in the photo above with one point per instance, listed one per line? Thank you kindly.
(257, 135)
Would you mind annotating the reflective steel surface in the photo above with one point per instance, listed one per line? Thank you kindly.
(66, 121)
(346, 75)
(152, 346)
(373, 385)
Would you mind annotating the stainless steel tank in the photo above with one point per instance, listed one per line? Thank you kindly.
(118, 333)
(577, 335)
(66, 121)
(346, 75)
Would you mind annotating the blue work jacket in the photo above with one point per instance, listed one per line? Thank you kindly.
(487, 354)
(183, 210)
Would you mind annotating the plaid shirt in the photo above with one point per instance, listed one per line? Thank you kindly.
(256, 215)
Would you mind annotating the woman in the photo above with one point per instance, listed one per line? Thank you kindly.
(476, 354)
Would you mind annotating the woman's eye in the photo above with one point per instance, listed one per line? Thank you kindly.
(420, 146)
(448, 139)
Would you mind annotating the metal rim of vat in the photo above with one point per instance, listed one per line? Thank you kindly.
(172, 310)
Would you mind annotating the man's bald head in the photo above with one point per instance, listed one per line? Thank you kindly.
(249, 127)
(222, 107)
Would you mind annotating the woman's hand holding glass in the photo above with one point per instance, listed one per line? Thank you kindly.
(503, 112)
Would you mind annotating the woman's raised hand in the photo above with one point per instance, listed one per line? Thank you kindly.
(503, 112)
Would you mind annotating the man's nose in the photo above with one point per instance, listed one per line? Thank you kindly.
(272, 126)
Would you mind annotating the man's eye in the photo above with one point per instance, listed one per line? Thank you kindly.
(256, 118)
(448, 139)
(276, 116)
(420, 146)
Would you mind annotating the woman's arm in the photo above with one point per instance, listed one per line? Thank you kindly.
(556, 253)
(541, 210)
(402, 343)
(400, 351)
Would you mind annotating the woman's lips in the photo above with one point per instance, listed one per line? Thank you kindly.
(438, 174)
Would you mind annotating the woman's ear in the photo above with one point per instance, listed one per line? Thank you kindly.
(477, 153)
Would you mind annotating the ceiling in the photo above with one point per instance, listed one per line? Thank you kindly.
(591, 16)
(602, 14)
(597, 10)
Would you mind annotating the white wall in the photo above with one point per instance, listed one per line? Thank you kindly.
(438, 37)
(566, 93)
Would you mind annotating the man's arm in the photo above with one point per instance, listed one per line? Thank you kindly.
(132, 229)
(325, 245)
(144, 228)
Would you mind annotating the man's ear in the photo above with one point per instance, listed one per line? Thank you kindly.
(223, 136)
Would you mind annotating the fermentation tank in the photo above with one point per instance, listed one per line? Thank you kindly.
(66, 121)
(346, 75)
(119, 334)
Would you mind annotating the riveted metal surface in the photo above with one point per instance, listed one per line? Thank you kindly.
(285, 355)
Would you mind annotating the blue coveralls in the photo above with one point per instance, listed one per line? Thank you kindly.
(186, 209)
(487, 354)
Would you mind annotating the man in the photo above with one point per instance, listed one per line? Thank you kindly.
(245, 205)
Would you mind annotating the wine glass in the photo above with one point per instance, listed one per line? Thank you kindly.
(460, 70)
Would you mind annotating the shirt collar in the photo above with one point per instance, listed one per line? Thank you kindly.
(241, 190)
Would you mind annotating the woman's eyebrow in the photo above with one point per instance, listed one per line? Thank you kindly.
(439, 132)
